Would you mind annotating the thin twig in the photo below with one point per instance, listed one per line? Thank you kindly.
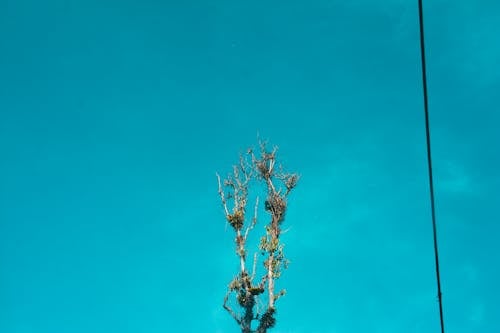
(221, 193)
(231, 312)
(254, 219)
(254, 266)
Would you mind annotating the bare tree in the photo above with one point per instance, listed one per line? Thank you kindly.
(253, 169)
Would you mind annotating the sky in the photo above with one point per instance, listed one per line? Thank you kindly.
(116, 115)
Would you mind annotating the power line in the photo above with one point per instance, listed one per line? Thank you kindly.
(429, 160)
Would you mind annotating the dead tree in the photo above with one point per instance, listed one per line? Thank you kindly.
(253, 169)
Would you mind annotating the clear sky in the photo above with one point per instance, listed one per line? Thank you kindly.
(115, 116)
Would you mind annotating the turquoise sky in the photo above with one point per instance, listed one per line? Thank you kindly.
(115, 116)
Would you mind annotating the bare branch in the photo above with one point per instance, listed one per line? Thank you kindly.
(228, 309)
(221, 193)
(254, 219)
(254, 268)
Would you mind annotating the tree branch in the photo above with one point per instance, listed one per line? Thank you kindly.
(278, 185)
(228, 309)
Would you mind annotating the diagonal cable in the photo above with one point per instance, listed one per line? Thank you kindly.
(429, 160)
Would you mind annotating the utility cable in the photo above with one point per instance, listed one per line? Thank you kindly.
(429, 160)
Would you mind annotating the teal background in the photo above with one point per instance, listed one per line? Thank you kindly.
(115, 116)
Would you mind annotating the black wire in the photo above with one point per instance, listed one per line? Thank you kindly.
(429, 159)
